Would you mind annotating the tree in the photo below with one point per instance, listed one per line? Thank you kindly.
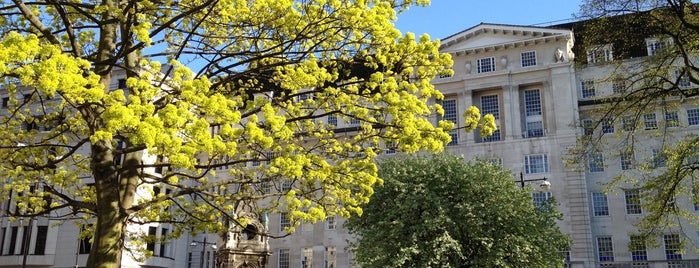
(660, 75)
(441, 211)
(268, 74)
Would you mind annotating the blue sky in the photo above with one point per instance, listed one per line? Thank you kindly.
(446, 17)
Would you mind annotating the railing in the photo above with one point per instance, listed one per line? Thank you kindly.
(651, 264)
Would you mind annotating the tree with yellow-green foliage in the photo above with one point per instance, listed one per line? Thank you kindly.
(268, 74)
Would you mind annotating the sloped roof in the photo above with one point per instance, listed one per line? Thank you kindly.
(486, 36)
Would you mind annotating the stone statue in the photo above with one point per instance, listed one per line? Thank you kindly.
(558, 55)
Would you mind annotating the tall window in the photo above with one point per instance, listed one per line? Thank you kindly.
(649, 122)
(532, 111)
(693, 117)
(40, 245)
(605, 249)
(451, 114)
(629, 123)
(330, 222)
(490, 105)
(164, 246)
(672, 247)
(595, 162)
(283, 260)
(486, 65)
(13, 240)
(307, 258)
(633, 202)
(330, 257)
(528, 58)
(537, 163)
(599, 204)
(639, 256)
(627, 160)
(540, 198)
(85, 243)
(150, 246)
(659, 158)
(682, 79)
(671, 119)
(608, 125)
(588, 129)
(587, 88)
(284, 221)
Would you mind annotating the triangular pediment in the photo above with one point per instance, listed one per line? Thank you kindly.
(485, 36)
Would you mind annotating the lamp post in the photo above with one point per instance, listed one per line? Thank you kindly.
(545, 184)
(203, 249)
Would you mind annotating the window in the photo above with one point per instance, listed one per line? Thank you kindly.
(494, 137)
(633, 202)
(164, 249)
(3, 232)
(535, 129)
(489, 105)
(659, 158)
(532, 102)
(655, 46)
(284, 221)
(5, 102)
(671, 119)
(85, 243)
(618, 86)
(286, 186)
(540, 198)
(13, 240)
(486, 65)
(304, 96)
(639, 256)
(495, 161)
(693, 117)
(26, 235)
(150, 246)
(307, 258)
(588, 129)
(587, 89)
(391, 147)
(600, 54)
(121, 84)
(451, 114)
(629, 123)
(332, 120)
(595, 162)
(40, 245)
(649, 122)
(534, 164)
(682, 79)
(283, 260)
(627, 160)
(330, 222)
(608, 125)
(605, 249)
(330, 257)
(354, 121)
(528, 58)
(444, 75)
(599, 204)
(672, 247)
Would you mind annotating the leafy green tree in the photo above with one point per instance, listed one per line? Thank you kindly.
(441, 211)
(650, 79)
(269, 74)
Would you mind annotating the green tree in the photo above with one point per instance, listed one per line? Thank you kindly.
(651, 78)
(269, 73)
(441, 211)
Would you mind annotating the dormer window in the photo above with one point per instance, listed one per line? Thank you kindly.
(656, 45)
(599, 54)
(486, 65)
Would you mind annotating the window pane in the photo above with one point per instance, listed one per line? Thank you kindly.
(528, 58)
(534, 164)
(649, 122)
(693, 117)
(605, 249)
(532, 102)
(595, 162)
(599, 204)
(633, 202)
(451, 114)
(486, 65)
(588, 89)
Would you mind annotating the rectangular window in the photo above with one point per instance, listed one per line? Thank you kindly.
(588, 129)
(5, 102)
(283, 260)
(599, 54)
(85, 243)
(40, 245)
(671, 119)
(494, 137)
(330, 257)
(618, 86)
(627, 160)
(587, 89)
(629, 123)
(391, 147)
(595, 162)
(286, 186)
(332, 120)
(693, 117)
(659, 158)
(599, 204)
(13, 240)
(682, 79)
(284, 221)
(26, 237)
(486, 65)
(535, 129)
(633, 202)
(605, 249)
(656, 46)
(354, 121)
(649, 122)
(150, 246)
(672, 247)
(639, 255)
(163, 243)
(3, 232)
(330, 222)
(489, 105)
(608, 125)
(451, 114)
(540, 198)
(532, 102)
(307, 258)
(528, 58)
(534, 164)
(121, 84)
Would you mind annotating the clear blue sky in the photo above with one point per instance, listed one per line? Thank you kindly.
(446, 17)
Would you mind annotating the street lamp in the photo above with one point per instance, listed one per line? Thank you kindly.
(203, 250)
(544, 185)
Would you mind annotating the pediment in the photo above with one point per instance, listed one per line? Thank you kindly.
(485, 36)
